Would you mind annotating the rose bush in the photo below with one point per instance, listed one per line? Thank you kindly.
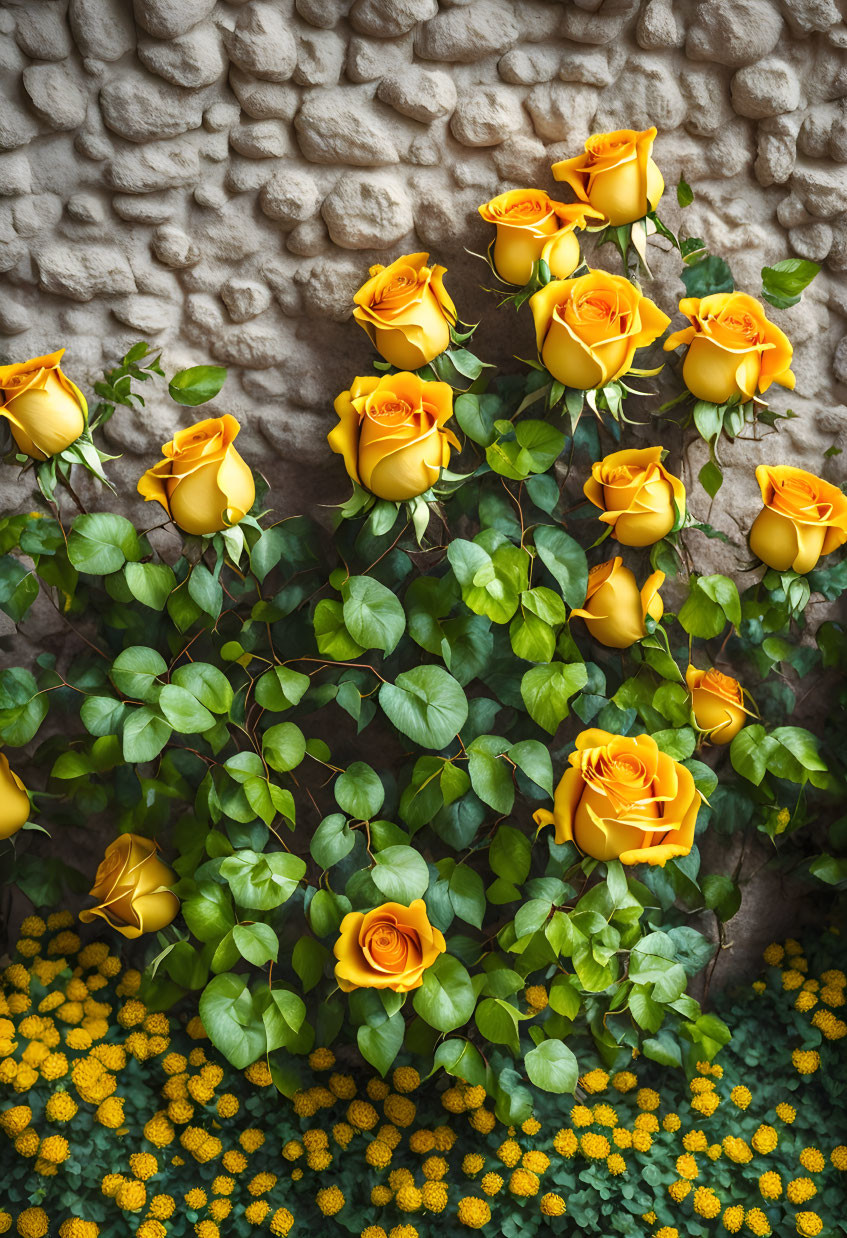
(338, 736)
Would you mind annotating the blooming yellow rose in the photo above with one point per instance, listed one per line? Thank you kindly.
(132, 887)
(387, 948)
(615, 609)
(623, 799)
(616, 175)
(531, 226)
(803, 518)
(391, 433)
(14, 801)
(46, 412)
(203, 483)
(406, 311)
(587, 329)
(717, 701)
(640, 499)
(733, 348)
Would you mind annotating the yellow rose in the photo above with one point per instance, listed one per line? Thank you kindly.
(531, 226)
(640, 499)
(132, 887)
(623, 799)
(406, 311)
(587, 329)
(391, 433)
(46, 412)
(615, 609)
(14, 801)
(803, 518)
(203, 483)
(616, 175)
(717, 701)
(387, 948)
(732, 348)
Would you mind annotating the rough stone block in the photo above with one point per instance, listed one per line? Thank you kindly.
(367, 210)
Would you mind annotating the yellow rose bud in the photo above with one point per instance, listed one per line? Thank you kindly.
(587, 329)
(387, 948)
(803, 518)
(640, 499)
(132, 887)
(615, 609)
(391, 433)
(623, 799)
(717, 701)
(14, 801)
(616, 175)
(733, 348)
(406, 311)
(203, 483)
(46, 412)
(531, 226)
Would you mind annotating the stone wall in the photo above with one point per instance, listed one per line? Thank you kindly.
(217, 177)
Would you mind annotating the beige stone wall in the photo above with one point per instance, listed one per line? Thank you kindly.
(217, 177)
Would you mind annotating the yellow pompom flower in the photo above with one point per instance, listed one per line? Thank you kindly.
(552, 1205)
(362, 1115)
(16, 1119)
(33, 1223)
(786, 1113)
(256, 1212)
(131, 1195)
(806, 1061)
(799, 1190)
(706, 1203)
(74, 1227)
(196, 1198)
(605, 1115)
(473, 1212)
(733, 1217)
(595, 1081)
(162, 1207)
(251, 1140)
(434, 1168)
(509, 1153)
(524, 1183)
(741, 1096)
(380, 1196)
(594, 1147)
(581, 1115)
(54, 1148)
(737, 1149)
(679, 1190)
(757, 1223)
(770, 1185)
(616, 1164)
(378, 1154)
(695, 1141)
(566, 1143)
(622, 1137)
(144, 1165)
(667, 1231)
(838, 1156)
(647, 1099)
(624, 1081)
(330, 1200)
(686, 1166)
(434, 1196)
(764, 1139)
(813, 1160)
(405, 1079)
(808, 1224)
(535, 1160)
(206, 1229)
(472, 1164)
(281, 1222)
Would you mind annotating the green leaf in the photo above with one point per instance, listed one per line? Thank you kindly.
(565, 561)
(721, 894)
(510, 854)
(205, 590)
(491, 572)
(446, 997)
(100, 542)
(379, 1044)
(467, 895)
(280, 688)
(232, 1020)
(712, 601)
(401, 873)
(135, 670)
(262, 881)
(647, 1013)
(783, 283)
(332, 840)
(208, 913)
(150, 583)
(359, 791)
(102, 715)
(711, 274)
(547, 690)
(205, 682)
(533, 758)
(283, 1018)
(333, 639)
(308, 959)
(491, 777)
(183, 711)
(197, 385)
(552, 1066)
(427, 704)
(145, 734)
(372, 614)
(498, 1021)
(475, 415)
(283, 746)
(462, 1059)
(684, 193)
(257, 943)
